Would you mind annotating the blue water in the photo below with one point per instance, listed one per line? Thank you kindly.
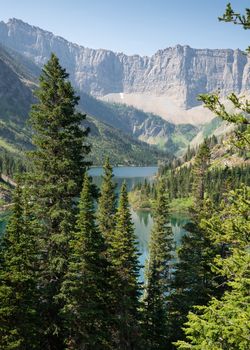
(142, 220)
(132, 175)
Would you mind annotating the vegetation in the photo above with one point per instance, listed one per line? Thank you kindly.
(84, 289)
(158, 274)
(69, 276)
(223, 322)
(124, 257)
(120, 147)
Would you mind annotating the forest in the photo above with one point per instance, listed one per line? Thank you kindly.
(69, 276)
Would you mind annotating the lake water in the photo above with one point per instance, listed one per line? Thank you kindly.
(142, 220)
(132, 175)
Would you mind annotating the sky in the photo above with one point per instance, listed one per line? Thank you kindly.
(133, 26)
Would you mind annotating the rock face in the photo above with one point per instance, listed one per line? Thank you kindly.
(177, 74)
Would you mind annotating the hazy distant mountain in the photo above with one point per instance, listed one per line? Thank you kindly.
(166, 83)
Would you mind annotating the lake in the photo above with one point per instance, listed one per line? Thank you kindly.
(132, 175)
(142, 220)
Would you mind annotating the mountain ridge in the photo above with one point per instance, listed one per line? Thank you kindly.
(16, 97)
(176, 75)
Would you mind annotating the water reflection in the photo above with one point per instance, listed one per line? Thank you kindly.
(142, 220)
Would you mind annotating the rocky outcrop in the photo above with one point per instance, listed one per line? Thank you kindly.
(179, 73)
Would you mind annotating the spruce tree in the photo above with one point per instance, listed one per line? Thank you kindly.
(58, 166)
(85, 287)
(200, 168)
(124, 259)
(19, 317)
(193, 281)
(107, 203)
(224, 323)
(158, 274)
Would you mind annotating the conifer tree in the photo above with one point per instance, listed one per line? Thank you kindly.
(85, 287)
(107, 203)
(19, 317)
(193, 281)
(158, 274)
(124, 259)
(201, 164)
(224, 323)
(56, 179)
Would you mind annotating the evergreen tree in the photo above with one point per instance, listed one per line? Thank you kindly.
(200, 169)
(158, 274)
(124, 259)
(224, 323)
(193, 281)
(58, 167)
(19, 318)
(107, 203)
(85, 287)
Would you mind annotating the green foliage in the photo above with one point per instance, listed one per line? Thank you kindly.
(107, 203)
(200, 168)
(240, 117)
(85, 286)
(124, 258)
(19, 317)
(193, 281)
(158, 274)
(224, 323)
(58, 166)
(120, 148)
(231, 16)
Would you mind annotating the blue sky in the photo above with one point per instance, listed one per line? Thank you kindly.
(133, 26)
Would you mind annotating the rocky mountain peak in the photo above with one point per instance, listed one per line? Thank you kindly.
(166, 83)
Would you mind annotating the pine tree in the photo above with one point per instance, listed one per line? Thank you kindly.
(124, 259)
(85, 287)
(107, 203)
(58, 167)
(158, 274)
(19, 318)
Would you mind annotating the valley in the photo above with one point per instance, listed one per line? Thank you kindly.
(124, 178)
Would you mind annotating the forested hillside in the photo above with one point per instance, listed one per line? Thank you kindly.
(71, 274)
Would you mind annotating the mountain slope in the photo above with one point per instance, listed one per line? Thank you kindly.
(16, 96)
(166, 83)
(121, 148)
(143, 126)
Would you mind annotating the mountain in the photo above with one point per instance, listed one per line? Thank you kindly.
(140, 125)
(121, 148)
(18, 80)
(143, 126)
(15, 99)
(166, 83)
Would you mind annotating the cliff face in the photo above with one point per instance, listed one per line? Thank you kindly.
(175, 74)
